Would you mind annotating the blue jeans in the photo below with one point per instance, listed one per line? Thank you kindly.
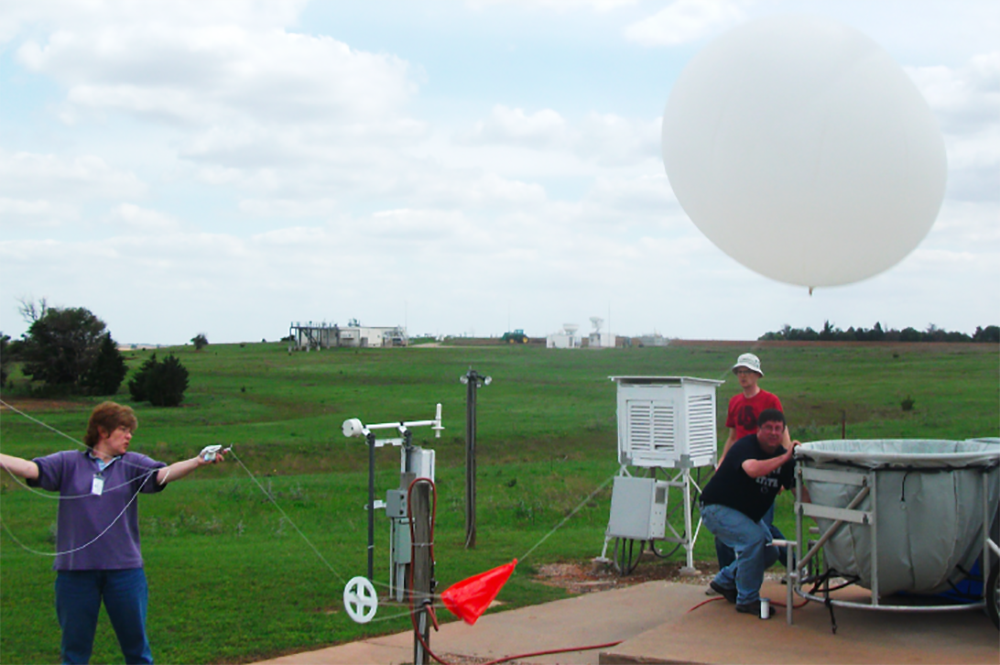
(750, 540)
(725, 554)
(78, 602)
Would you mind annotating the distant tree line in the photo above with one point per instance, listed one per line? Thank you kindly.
(831, 333)
(70, 351)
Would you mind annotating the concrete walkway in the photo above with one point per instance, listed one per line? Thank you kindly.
(654, 624)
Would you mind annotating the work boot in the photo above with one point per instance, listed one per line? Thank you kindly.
(751, 608)
(728, 594)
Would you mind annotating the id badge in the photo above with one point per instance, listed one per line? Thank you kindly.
(97, 488)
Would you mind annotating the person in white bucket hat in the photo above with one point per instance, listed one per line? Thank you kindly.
(745, 408)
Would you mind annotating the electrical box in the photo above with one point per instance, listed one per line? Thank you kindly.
(666, 421)
(395, 504)
(638, 509)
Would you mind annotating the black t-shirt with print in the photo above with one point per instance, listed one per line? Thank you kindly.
(732, 487)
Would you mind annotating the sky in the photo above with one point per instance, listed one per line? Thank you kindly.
(461, 168)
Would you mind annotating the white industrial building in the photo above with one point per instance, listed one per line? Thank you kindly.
(310, 336)
(566, 339)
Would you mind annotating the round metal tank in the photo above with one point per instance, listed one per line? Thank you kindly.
(930, 498)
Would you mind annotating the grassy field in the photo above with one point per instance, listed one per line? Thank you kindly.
(235, 579)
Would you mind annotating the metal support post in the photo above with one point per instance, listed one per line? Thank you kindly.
(472, 381)
(370, 440)
(984, 568)
(689, 535)
(421, 567)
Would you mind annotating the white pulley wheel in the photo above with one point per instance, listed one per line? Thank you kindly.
(360, 600)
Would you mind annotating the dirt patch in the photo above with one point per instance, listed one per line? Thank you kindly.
(586, 577)
(30, 404)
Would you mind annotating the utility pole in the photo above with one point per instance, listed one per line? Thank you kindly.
(472, 381)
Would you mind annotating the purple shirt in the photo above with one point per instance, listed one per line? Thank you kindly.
(83, 516)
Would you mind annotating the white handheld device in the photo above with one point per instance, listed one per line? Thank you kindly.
(208, 452)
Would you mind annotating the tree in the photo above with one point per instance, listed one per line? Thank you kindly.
(987, 334)
(4, 358)
(108, 370)
(30, 311)
(199, 341)
(61, 345)
(160, 383)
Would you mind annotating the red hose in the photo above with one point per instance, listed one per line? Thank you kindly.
(413, 611)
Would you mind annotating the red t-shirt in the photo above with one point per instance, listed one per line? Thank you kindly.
(743, 412)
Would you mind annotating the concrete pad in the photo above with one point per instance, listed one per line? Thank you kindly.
(716, 633)
(594, 618)
(656, 626)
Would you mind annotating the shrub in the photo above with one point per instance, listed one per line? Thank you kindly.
(160, 383)
(4, 358)
(108, 370)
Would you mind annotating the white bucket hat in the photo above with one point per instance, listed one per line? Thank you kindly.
(749, 361)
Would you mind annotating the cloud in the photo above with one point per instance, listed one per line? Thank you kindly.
(16, 214)
(616, 141)
(205, 74)
(607, 139)
(966, 101)
(143, 220)
(28, 174)
(558, 5)
(512, 126)
(685, 21)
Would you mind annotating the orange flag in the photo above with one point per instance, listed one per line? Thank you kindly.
(469, 598)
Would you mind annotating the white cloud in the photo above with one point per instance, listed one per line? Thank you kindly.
(607, 139)
(30, 176)
(558, 5)
(203, 75)
(512, 126)
(616, 141)
(15, 214)
(966, 101)
(143, 220)
(966, 98)
(685, 21)
(287, 208)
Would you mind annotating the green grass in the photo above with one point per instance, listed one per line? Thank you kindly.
(233, 581)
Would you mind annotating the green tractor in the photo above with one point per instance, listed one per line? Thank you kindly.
(515, 337)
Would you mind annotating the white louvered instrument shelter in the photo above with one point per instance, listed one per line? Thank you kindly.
(666, 421)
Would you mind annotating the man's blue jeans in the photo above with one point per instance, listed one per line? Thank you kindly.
(750, 541)
(78, 602)
(726, 555)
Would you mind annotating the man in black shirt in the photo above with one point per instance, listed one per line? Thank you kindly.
(737, 498)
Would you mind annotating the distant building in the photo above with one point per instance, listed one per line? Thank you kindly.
(308, 337)
(598, 339)
(655, 339)
(566, 339)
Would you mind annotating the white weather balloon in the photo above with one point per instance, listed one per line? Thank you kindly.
(802, 150)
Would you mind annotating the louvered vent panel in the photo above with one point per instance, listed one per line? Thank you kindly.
(640, 428)
(664, 432)
(701, 425)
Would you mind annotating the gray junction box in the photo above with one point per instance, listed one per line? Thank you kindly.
(638, 508)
